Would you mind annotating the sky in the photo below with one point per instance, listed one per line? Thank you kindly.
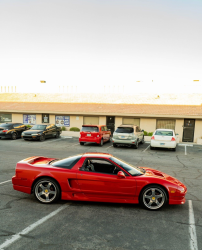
(82, 42)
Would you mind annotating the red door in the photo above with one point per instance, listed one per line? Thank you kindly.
(107, 186)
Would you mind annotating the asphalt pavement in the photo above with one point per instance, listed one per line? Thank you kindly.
(27, 224)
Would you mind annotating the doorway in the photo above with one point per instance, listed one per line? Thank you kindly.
(111, 123)
(188, 130)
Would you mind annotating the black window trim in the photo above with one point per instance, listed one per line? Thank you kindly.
(111, 162)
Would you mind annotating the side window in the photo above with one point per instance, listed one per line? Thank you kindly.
(100, 166)
(105, 128)
(102, 129)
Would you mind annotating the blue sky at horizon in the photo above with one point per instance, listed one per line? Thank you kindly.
(95, 41)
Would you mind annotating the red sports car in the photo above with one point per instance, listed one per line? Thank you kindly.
(96, 177)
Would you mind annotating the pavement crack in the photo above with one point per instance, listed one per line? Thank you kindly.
(180, 162)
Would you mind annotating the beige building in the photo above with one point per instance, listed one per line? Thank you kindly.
(186, 120)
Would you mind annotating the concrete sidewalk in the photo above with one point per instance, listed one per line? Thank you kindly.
(70, 133)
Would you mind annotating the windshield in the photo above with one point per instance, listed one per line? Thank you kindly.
(89, 129)
(134, 171)
(4, 125)
(124, 130)
(164, 133)
(38, 127)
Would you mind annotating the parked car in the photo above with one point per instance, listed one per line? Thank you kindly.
(98, 177)
(11, 130)
(41, 132)
(130, 135)
(94, 133)
(163, 138)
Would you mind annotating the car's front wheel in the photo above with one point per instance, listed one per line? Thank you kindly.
(57, 135)
(153, 197)
(46, 190)
(42, 138)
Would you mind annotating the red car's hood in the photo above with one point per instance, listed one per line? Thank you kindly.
(161, 175)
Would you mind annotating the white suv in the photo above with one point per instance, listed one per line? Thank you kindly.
(163, 138)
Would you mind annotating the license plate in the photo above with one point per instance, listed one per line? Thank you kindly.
(123, 137)
(162, 143)
(88, 134)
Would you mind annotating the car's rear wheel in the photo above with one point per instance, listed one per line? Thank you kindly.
(174, 149)
(81, 143)
(153, 197)
(142, 141)
(101, 142)
(14, 136)
(151, 148)
(42, 138)
(46, 190)
(114, 145)
(136, 145)
(110, 139)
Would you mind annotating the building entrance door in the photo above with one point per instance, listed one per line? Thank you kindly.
(111, 123)
(188, 130)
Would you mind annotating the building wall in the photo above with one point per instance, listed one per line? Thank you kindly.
(198, 130)
(102, 120)
(179, 128)
(17, 118)
(76, 121)
(148, 124)
(118, 121)
(38, 118)
(52, 119)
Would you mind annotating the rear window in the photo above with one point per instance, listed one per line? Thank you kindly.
(89, 129)
(4, 125)
(67, 162)
(164, 133)
(124, 130)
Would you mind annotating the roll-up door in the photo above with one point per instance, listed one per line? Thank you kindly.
(131, 121)
(91, 120)
(165, 123)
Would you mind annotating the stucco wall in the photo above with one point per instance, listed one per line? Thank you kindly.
(76, 121)
(102, 120)
(17, 118)
(118, 122)
(38, 118)
(198, 130)
(52, 119)
(179, 128)
(148, 124)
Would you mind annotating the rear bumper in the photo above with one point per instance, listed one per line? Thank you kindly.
(19, 185)
(91, 139)
(158, 144)
(126, 142)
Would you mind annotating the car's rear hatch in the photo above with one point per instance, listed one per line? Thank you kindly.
(123, 133)
(89, 132)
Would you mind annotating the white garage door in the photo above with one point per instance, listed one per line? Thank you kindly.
(165, 123)
(91, 120)
(131, 121)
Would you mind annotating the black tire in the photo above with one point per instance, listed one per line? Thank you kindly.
(136, 145)
(14, 136)
(46, 185)
(110, 139)
(151, 148)
(42, 138)
(57, 135)
(114, 145)
(26, 139)
(148, 192)
(101, 142)
(142, 141)
(174, 149)
(81, 143)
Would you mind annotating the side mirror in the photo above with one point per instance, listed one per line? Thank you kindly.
(143, 130)
(108, 129)
(121, 175)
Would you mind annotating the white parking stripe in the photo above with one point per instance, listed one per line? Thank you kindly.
(146, 148)
(75, 144)
(28, 229)
(4, 182)
(109, 147)
(192, 228)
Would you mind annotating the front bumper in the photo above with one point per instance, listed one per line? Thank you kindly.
(125, 142)
(30, 137)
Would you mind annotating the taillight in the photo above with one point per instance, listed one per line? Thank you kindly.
(173, 139)
(152, 138)
(5, 130)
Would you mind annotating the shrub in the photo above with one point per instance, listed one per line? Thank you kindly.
(150, 134)
(28, 126)
(63, 128)
(145, 133)
(75, 129)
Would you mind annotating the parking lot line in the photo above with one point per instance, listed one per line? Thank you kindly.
(109, 147)
(146, 148)
(192, 228)
(4, 182)
(31, 227)
(75, 144)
